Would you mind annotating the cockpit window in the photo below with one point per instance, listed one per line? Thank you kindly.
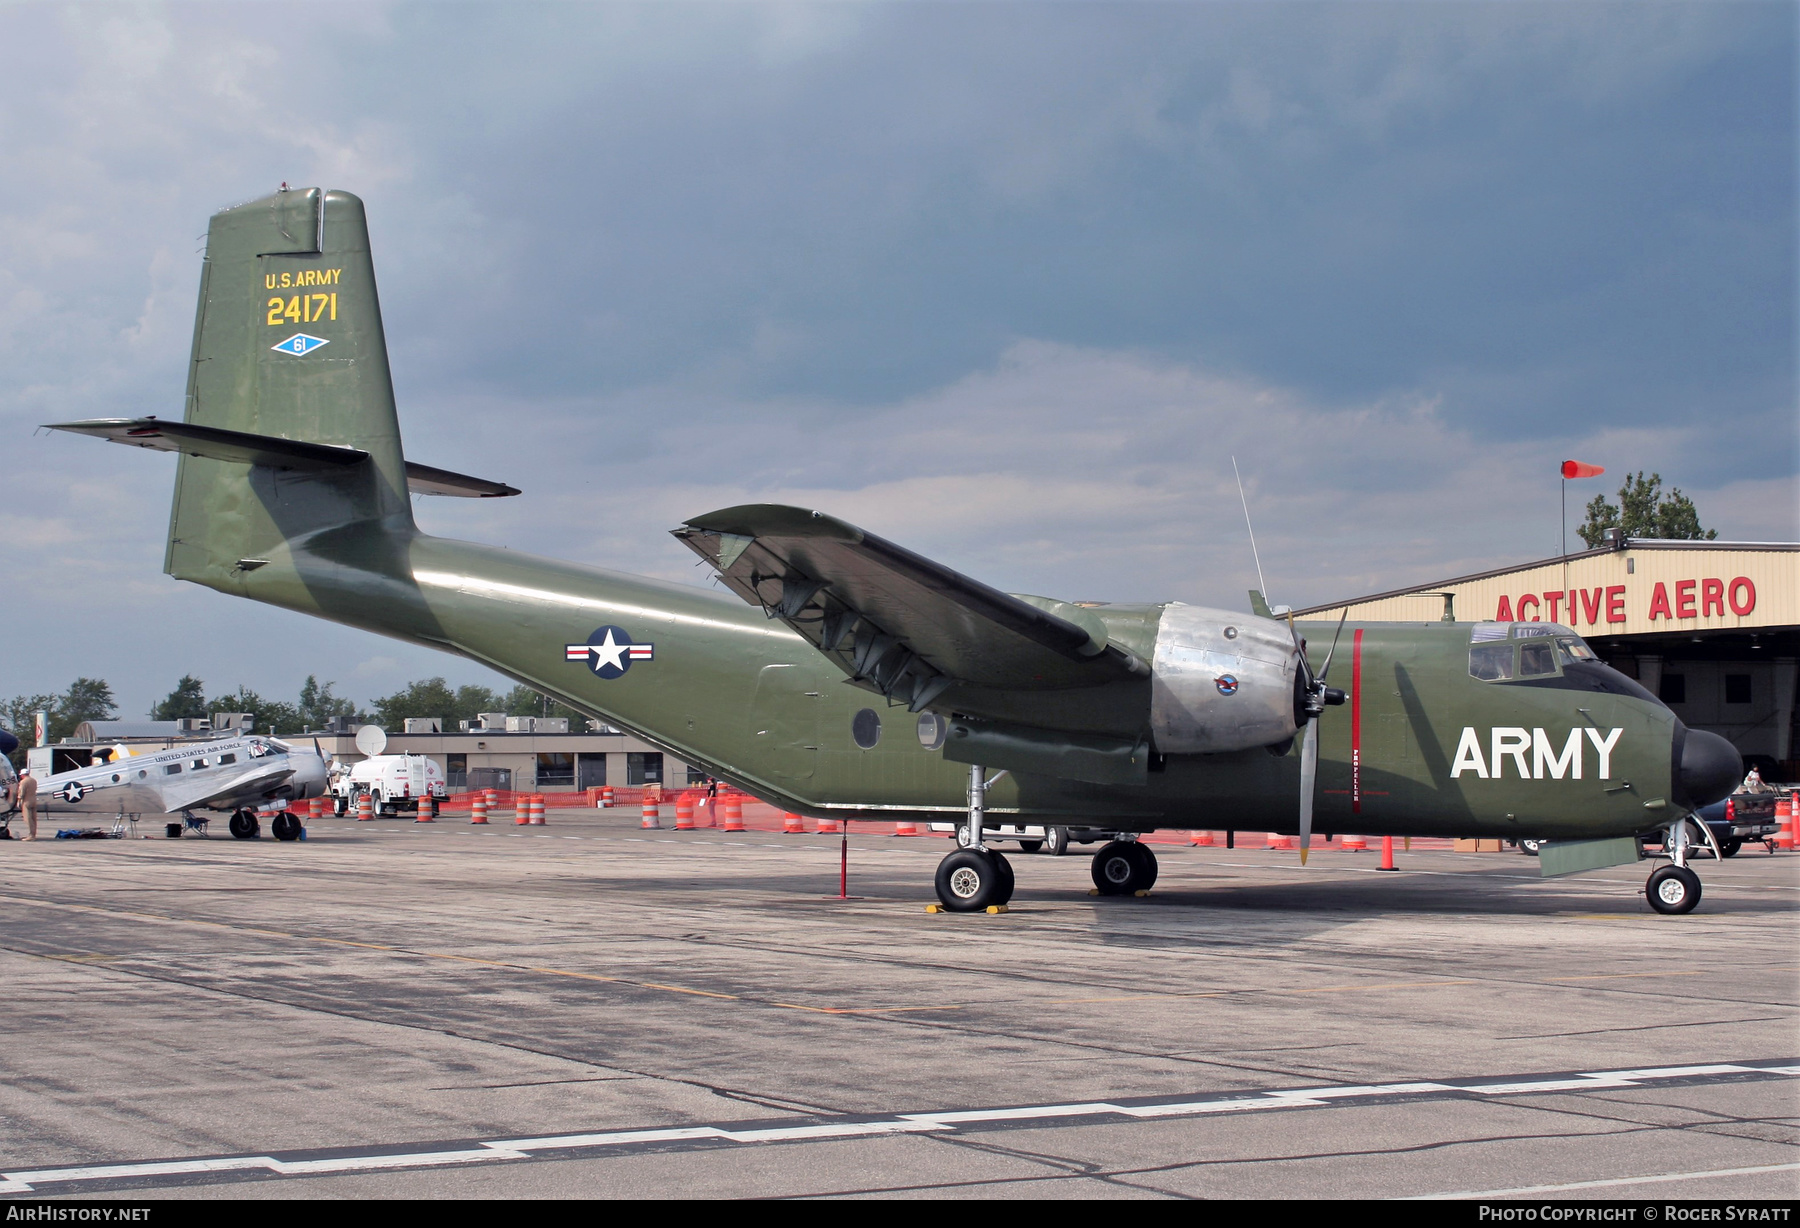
(1491, 662)
(1536, 658)
(1574, 648)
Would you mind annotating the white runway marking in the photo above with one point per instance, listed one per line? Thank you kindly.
(484, 1151)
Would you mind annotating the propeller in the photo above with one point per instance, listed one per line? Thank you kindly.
(1317, 698)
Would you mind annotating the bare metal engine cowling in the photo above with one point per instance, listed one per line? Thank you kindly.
(1221, 681)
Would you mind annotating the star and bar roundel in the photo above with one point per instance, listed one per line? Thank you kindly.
(609, 651)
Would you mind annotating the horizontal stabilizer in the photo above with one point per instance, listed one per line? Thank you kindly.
(218, 443)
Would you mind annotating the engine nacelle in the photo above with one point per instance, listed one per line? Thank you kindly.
(1221, 682)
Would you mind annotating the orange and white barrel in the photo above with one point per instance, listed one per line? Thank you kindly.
(535, 811)
(792, 824)
(478, 810)
(652, 813)
(733, 805)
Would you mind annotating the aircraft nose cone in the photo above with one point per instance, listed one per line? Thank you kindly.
(1710, 768)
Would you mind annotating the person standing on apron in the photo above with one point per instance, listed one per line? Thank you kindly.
(25, 793)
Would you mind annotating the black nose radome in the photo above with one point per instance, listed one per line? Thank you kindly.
(1710, 769)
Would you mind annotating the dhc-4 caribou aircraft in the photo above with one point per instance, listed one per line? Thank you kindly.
(845, 676)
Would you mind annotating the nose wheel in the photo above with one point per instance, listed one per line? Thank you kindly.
(1673, 890)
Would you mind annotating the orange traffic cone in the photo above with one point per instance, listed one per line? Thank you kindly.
(478, 810)
(1387, 854)
(652, 813)
(734, 811)
(792, 824)
(535, 811)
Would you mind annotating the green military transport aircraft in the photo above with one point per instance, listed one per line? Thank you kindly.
(851, 678)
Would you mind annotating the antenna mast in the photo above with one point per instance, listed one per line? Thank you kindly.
(1263, 587)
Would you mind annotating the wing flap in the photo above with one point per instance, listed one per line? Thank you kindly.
(897, 622)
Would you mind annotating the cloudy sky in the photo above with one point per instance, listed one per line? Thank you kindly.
(1009, 284)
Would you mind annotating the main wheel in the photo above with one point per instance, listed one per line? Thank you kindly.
(1147, 866)
(970, 880)
(1729, 848)
(244, 826)
(1123, 867)
(1056, 841)
(1030, 846)
(1530, 846)
(1673, 890)
(1006, 878)
(284, 826)
(962, 836)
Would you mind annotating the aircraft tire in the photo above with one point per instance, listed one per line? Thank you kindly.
(1030, 846)
(1530, 846)
(1729, 848)
(1147, 865)
(1005, 894)
(244, 825)
(1056, 841)
(1673, 890)
(1117, 870)
(969, 880)
(284, 826)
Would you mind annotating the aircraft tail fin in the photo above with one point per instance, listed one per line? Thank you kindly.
(288, 344)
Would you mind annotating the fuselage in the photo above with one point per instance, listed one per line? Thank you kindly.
(1578, 752)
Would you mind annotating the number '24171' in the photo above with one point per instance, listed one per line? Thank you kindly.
(302, 308)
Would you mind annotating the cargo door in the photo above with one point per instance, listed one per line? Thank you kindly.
(784, 723)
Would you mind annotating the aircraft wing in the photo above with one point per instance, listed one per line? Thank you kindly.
(274, 451)
(894, 621)
(239, 791)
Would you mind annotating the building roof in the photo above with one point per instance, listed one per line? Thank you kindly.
(1636, 586)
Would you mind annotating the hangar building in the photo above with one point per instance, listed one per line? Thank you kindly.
(1711, 627)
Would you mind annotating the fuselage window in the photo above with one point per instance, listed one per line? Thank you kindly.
(198, 764)
(171, 769)
(224, 759)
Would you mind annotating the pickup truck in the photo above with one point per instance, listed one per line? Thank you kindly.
(1740, 817)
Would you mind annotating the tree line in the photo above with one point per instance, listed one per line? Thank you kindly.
(91, 699)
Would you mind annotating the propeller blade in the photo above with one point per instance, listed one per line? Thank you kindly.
(1324, 673)
(1309, 774)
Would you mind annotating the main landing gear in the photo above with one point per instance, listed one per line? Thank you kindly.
(244, 825)
(1674, 889)
(975, 878)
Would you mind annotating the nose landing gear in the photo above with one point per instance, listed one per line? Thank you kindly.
(1674, 889)
(1124, 867)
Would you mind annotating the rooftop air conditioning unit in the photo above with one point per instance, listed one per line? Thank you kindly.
(551, 724)
(423, 724)
(521, 724)
(492, 722)
(234, 722)
(194, 724)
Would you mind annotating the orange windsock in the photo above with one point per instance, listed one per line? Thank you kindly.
(1581, 469)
